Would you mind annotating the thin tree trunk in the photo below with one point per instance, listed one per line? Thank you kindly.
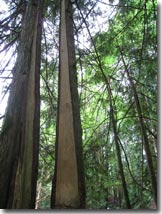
(68, 189)
(143, 132)
(112, 117)
(19, 138)
(116, 139)
(40, 189)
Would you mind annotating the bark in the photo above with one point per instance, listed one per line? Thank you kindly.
(19, 138)
(68, 189)
(143, 132)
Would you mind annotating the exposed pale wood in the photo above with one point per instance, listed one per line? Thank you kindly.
(68, 190)
(67, 177)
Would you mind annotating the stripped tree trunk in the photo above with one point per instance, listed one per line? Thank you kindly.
(19, 138)
(68, 189)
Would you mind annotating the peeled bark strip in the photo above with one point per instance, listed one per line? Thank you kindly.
(68, 185)
(20, 134)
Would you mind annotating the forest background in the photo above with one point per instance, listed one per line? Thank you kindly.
(123, 51)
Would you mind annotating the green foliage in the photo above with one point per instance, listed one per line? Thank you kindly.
(132, 30)
(131, 33)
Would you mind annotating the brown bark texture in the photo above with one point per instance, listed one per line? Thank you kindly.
(68, 189)
(19, 138)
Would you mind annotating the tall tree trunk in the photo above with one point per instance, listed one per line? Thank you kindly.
(143, 131)
(116, 135)
(116, 139)
(113, 120)
(19, 138)
(68, 190)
